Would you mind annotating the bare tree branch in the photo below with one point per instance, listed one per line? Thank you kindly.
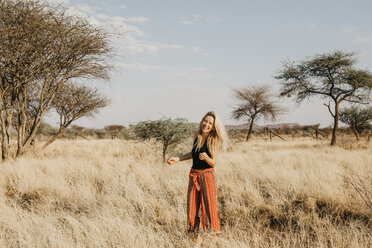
(329, 108)
(74, 102)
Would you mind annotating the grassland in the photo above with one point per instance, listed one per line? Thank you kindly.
(104, 193)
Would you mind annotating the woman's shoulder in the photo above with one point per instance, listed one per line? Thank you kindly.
(195, 138)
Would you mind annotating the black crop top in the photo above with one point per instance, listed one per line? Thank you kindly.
(196, 162)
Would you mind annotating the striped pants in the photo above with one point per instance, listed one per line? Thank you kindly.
(202, 191)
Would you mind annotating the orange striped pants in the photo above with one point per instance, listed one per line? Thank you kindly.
(202, 191)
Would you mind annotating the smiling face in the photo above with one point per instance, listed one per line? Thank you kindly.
(207, 124)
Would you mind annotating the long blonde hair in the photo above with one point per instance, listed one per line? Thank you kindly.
(217, 138)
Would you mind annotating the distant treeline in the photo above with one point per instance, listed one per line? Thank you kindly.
(121, 132)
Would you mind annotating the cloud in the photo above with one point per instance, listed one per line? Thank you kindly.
(168, 70)
(113, 23)
(130, 37)
(312, 26)
(140, 67)
(130, 45)
(347, 30)
(119, 24)
(87, 9)
(187, 22)
(119, 19)
(54, 2)
(195, 49)
(122, 6)
(197, 19)
(365, 39)
(211, 19)
(138, 19)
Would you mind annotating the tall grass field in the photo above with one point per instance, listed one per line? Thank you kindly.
(117, 193)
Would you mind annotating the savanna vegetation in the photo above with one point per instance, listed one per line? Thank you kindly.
(109, 187)
(44, 55)
(119, 193)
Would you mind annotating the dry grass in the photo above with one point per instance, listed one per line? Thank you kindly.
(117, 193)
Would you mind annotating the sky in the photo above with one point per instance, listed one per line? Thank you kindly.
(182, 58)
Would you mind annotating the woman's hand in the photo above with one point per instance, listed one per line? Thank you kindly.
(173, 160)
(203, 156)
(210, 160)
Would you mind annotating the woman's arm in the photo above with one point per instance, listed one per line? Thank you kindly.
(210, 160)
(173, 160)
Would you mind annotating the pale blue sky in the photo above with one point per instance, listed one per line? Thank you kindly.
(180, 58)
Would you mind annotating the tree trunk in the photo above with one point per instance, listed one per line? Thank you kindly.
(32, 135)
(22, 119)
(21, 134)
(5, 142)
(165, 146)
(19, 146)
(356, 133)
(335, 124)
(5, 134)
(51, 140)
(4, 147)
(249, 130)
(42, 110)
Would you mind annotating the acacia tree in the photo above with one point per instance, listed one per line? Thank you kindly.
(331, 76)
(166, 131)
(256, 102)
(78, 131)
(73, 102)
(42, 48)
(358, 119)
(114, 130)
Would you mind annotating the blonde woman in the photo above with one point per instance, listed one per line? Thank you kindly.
(202, 190)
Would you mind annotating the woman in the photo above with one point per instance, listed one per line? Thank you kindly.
(202, 190)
